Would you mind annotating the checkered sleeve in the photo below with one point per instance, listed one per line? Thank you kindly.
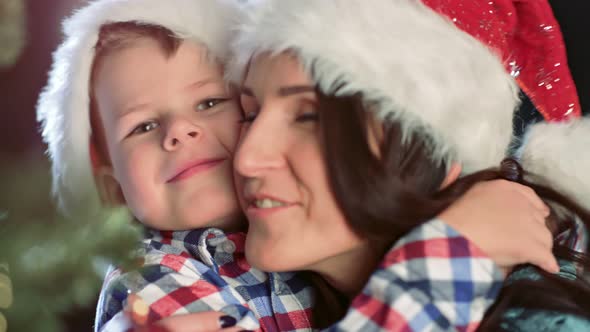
(433, 279)
(176, 285)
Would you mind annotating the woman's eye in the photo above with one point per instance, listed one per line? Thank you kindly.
(144, 127)
(307, 117)
(248, 117)
(209, 103)
(307, 113)
(250, 108)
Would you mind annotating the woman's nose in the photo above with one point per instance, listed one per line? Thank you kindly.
(260, 149)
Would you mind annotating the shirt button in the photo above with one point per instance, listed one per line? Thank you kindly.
(229, 246)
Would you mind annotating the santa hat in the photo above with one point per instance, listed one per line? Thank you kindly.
(63, 107)
(559, 154)
(443, 68)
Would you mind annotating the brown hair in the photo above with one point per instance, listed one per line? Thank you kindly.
(385, 196)
(113, 37)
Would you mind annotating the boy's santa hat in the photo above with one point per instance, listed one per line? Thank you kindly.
(448, 69)
(63, 106)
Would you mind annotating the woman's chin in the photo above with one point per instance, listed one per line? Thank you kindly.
(261, 259)
(268, 259)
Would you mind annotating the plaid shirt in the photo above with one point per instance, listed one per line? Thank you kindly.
(433, 279)
(204, 270)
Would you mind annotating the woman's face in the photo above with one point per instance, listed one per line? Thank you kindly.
(295, 223)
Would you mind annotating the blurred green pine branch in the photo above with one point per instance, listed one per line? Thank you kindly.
(55, 264)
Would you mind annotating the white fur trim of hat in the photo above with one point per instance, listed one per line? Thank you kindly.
(559, 153)
(63, 106)
(415, 63)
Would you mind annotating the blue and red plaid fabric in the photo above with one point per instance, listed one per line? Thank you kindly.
(433, 279)
(204, 270)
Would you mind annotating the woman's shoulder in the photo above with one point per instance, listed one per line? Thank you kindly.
(535, 320)
(538, 317)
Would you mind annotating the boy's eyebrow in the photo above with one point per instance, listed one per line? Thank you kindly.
(283, 91)
(133, 108)
(193, 85)
(206, 81)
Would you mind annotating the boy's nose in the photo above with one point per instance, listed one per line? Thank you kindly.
(180, 133)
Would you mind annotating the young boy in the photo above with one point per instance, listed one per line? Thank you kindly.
(148, 76)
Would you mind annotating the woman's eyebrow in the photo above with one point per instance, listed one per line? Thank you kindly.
(295, 89)
(246, 91)
(283, 91)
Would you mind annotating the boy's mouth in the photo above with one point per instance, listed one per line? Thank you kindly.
(195, 167)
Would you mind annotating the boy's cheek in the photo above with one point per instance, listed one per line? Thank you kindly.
(140, 153)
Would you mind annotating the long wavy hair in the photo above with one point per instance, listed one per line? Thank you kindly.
(385, 195)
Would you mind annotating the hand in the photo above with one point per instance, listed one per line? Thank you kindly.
(211, 321)
(5, 295)
(507, 221)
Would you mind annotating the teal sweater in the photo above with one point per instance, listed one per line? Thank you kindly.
(533, 320)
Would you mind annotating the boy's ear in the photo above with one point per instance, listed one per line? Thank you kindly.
(452, 175)
(108, 187)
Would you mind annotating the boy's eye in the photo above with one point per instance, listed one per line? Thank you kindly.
(209, 103)
(145, 127)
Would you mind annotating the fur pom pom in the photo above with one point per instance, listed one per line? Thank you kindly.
(559, 153)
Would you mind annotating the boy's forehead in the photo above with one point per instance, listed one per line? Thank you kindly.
(136, 74)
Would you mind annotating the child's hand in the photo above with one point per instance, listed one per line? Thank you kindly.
(5, 295)
(211, 321)
(507, 221)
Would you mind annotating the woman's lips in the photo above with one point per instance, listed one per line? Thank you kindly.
(195, 168)
(255, 212)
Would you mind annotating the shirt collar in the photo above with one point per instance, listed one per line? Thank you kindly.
(211, 245)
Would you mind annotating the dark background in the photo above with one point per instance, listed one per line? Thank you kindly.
(21, 149)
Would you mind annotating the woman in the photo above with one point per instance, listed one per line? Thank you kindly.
(389, 116)
(307, 90)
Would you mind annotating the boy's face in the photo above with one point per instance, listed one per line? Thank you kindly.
(171, 127)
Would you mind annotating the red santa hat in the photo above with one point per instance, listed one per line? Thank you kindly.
(448, 69)
(63, 106)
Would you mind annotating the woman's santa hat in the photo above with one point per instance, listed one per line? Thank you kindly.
(63, 107)
(559, 154)
(448, 69)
